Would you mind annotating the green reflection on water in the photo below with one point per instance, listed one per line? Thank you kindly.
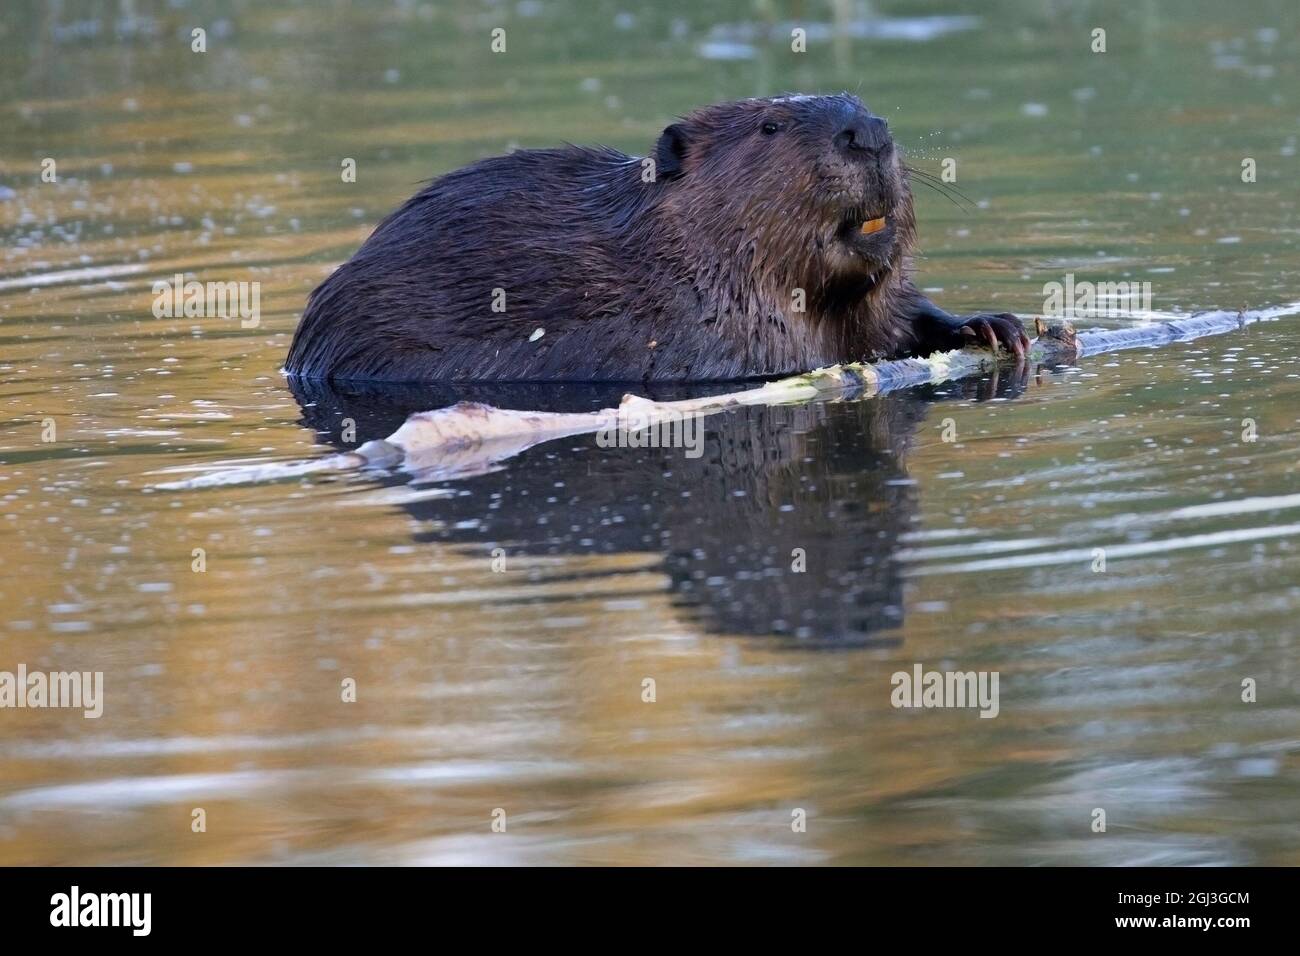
(478, 690)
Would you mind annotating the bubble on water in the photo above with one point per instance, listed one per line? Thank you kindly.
(722, 50)
(1257, 767)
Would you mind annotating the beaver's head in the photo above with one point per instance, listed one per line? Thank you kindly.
(810, 189)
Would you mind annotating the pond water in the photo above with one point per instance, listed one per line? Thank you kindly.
(500, 627)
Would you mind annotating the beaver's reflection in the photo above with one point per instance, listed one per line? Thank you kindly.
(785, 525)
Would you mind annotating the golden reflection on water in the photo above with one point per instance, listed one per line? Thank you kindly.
(522, 690)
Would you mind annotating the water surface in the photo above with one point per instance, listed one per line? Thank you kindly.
(522, 689)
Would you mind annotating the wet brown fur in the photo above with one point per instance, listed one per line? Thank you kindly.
(691, 276)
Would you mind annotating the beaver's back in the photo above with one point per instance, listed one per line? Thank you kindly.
(455, 283)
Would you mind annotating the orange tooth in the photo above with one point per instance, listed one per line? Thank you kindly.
(873, 225)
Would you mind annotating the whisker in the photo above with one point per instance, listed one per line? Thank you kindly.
(948, 190)
(927, 174)
(946, 196)
(932, 177)
(956, 199)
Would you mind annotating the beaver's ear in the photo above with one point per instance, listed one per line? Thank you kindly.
(670, 152)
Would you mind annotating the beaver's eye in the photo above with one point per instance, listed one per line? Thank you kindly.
(770, 129)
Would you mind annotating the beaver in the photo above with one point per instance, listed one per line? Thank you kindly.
(762, 237)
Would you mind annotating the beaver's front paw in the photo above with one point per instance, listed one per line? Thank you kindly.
(994, 328)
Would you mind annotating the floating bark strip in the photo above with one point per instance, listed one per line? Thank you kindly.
(470, 438)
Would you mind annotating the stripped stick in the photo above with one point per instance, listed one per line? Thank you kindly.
(469, 437)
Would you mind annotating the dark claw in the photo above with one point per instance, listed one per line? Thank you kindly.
(1001, 328)
(991, 337)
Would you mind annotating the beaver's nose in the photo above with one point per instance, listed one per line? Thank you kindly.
(863, 135)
